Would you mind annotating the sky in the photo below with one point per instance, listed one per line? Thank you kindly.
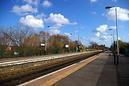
(87, 19)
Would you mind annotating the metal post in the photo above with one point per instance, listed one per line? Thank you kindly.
(69, 43)
(114, 49)
(117, 59)
(117, 40)
(78, 43)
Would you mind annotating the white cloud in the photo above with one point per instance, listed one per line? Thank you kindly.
(35, 2)
(58, 19)
(93, 0)
(106, 37)
(101, 32)
(41, 15)
(102, 28)
(102, 36)
(54, 31)
(32, 21)
(119, 38)
(24, 9)
(47, 3)
(68, 34)
(122, 14)
(97, 34)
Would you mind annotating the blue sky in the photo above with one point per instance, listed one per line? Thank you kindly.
(86, 18)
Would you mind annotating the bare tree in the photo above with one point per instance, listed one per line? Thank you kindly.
(13, 36)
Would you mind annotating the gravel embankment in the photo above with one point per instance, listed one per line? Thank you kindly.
(13, 69)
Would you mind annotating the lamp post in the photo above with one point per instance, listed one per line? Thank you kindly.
(67, 47)
(113, 47)
(43, 46)
(46, 40)
(113, 37)
(68, 35)
(117, 42)
(113, 42)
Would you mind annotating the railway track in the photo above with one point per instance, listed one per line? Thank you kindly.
(23, 78)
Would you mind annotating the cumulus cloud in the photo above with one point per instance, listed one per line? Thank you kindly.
(97, 34)
(54, 30)
(102, 36)
(35, 2)
(58, 19)
(31, 21)
(122, 14)
(106, 37)
(24, 9)
(41, 15)
(68, 34)
(119, 38)
(102, 28)
(101, 32)
(47, 3)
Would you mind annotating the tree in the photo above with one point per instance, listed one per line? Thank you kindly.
(94, 45)
(44, 36)
(123, 47)
(57, 43)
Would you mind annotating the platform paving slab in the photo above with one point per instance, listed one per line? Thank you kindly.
(100, 72)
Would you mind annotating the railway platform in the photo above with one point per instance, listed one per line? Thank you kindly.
(100, 71)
